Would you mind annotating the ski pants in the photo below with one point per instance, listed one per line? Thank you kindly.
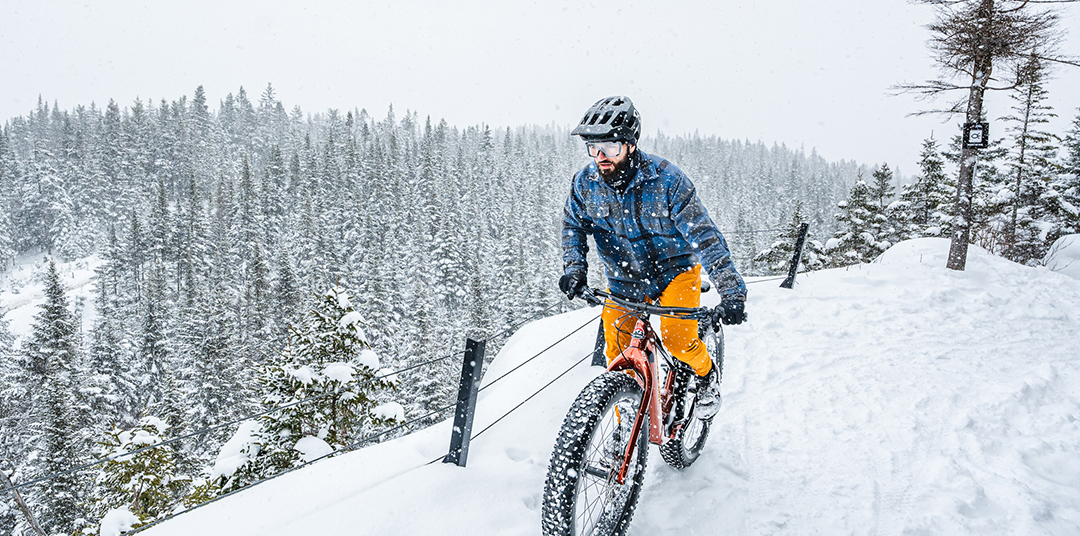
(680, 336)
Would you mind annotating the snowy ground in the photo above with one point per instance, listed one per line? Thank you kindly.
(22, 291)
(891, 398)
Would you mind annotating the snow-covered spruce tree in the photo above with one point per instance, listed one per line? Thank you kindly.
(1063, 196)
(1031, 163)
(859, 220)
(890, 220)
(328, 364)
(13, 419)
(777, 258)
(928, 203)
(146, 484)
(51, 354)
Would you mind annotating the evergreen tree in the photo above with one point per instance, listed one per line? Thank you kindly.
(329, 364)
(147, 483)
(859, 218)
(889, 222)
(777, 257)
(1031, 167)
(51, 353)
(1063, 195)
(927, 204)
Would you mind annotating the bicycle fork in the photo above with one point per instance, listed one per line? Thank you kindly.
(640, 359)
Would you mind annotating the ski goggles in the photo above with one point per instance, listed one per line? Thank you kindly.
(611, 149)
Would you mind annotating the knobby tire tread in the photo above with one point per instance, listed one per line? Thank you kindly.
(565, 467)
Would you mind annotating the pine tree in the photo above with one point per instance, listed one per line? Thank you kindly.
(1031, 164)
(329, 361)
(856, 240)
(777, 257)
(927, 204)
(1063, 196)
(889, 221)
(147, 483)
(51, 353)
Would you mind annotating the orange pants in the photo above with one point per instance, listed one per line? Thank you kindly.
(680, 336)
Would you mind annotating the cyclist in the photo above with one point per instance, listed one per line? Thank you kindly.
(653, 235)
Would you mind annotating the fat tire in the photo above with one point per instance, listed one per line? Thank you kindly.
(577, 443)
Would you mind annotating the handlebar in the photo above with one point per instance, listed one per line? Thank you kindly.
(593, 297)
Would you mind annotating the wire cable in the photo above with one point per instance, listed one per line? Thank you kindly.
(210, 429)
(526, 362)
(548, 384)
(291, 469)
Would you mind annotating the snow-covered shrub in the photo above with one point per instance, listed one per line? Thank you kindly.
(327, 379)
(145, 484)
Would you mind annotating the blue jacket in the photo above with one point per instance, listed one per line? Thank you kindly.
(652, 232)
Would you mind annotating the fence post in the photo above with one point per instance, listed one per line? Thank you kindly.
(796, 257)
(599, 358)
(466, 402)
(22, 505)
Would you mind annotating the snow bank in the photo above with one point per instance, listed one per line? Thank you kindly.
(117, 521)
(237, 451)
(1064, 256)
(895, 397)
(312, 448)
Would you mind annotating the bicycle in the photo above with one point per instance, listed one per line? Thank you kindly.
(598, 464)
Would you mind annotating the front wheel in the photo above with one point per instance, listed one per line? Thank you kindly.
(581, 494)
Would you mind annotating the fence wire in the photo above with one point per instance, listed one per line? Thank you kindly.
(218, 426)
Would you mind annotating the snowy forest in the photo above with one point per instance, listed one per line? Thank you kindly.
(241, 252)
(229, 241)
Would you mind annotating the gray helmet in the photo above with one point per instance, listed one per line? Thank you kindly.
(613, 118)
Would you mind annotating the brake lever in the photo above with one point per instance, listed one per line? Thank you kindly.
(590, 297)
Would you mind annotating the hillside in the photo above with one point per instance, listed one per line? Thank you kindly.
(891, 398)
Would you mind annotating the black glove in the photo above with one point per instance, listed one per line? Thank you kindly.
(730, 312)
(573, 284)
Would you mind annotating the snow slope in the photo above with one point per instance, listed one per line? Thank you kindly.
(891, 398)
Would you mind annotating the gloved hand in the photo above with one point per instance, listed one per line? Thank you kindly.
(730, 311)
(573, 284)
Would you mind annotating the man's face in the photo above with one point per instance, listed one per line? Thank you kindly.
(606, 164)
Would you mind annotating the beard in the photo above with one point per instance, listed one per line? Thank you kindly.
(619, 171)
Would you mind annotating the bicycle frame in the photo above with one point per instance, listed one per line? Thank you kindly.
(640, 357)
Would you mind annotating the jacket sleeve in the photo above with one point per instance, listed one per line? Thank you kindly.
(575, 229)
(693, 222)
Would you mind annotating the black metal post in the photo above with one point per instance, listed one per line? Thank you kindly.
(466, 403)
(796, 257)
(599, 358)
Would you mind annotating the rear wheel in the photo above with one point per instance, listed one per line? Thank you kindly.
(581, 494)
(683, 448)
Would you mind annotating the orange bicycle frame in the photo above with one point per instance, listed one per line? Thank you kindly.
(640, 357)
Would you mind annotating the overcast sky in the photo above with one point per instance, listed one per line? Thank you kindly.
(806, 74)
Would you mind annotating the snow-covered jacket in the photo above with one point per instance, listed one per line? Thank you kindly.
(647, 235)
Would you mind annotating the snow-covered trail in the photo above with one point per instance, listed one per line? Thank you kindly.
(892, 398)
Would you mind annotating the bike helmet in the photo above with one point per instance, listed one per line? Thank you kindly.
(613, 118)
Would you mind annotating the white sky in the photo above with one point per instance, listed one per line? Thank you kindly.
(807, 74)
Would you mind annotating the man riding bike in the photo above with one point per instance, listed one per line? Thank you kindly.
(653, 235)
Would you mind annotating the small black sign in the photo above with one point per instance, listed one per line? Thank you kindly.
(976, 135)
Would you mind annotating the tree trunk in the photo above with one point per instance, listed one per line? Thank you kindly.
(961, 233)
(6, 482)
